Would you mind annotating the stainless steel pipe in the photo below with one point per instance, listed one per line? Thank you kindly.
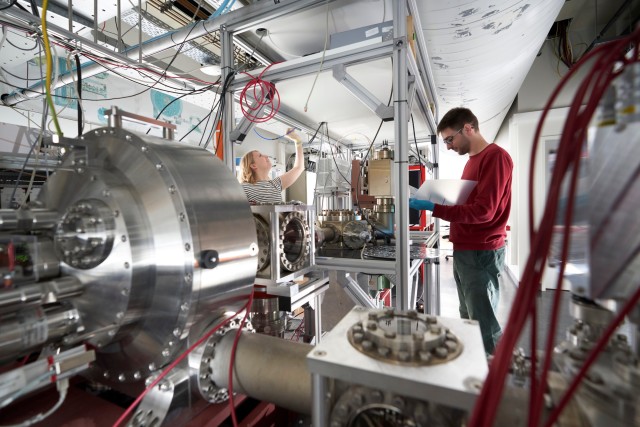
(41, 293)
(266, 368)
(27, 219)
(31, 328)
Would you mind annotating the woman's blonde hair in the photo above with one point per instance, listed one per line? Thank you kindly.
(246, 173)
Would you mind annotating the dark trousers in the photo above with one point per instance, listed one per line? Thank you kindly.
(476, 274)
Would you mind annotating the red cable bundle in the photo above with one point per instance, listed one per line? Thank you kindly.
(603, 71)
(264, 93)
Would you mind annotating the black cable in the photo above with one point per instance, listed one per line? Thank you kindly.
(219, 113)
(18, 47)
(222, 102)
(326, 126)
(27, 79)
(79, 92)
(13, 2)
(357, 187)
(45, 113)
(34, 8)
(176, 99)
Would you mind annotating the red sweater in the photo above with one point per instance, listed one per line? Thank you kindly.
(480, 224)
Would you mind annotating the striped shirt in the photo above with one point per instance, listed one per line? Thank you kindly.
(264, 191)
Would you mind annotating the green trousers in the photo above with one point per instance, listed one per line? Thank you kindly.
(476, 274)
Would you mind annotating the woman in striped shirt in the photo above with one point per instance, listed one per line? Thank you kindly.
(254, 174)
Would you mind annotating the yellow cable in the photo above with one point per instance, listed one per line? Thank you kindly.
(47, 53)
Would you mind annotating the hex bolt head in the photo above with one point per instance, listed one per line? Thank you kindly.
(441, 352)
(357, 400)
(437, 330)
(372, 326)
(404, 356)
(418, 336)
(373, 316)
(377, 396)
(389, 334)
(384, 351)
(594, 377)
(425, 356)
(358, 337)
(367, 345)
(451, 345)
(398, 402)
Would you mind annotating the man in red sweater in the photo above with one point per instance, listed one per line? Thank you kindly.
(478, 228)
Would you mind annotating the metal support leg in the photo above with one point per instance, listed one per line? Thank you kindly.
(226, 60)
(317, 317)
(309, 323)
(401, 137)
(320, 404)
(432, 287)
(353, 289)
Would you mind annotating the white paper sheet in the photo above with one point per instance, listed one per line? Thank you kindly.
(445, 191)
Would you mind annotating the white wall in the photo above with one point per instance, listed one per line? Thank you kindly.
(278, 150)
(545, 74)
(522, 127)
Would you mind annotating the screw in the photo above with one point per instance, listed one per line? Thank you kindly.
(320, 353)
(441, 352)
(425, 356)
(358, 337)
(384, 351)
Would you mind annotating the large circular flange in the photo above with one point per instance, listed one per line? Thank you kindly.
(200, 361)
(264, 242)
(84, 235)
(295, 241)
(362, 406)
(407, 338)
(356, 234)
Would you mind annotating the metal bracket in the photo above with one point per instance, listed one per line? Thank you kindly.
(400, 43)
(411, 92)
(115, 116)
(383, 111)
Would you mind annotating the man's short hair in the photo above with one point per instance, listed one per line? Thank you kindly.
(456, 118)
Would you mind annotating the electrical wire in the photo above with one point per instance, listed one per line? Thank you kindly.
(265, 96)
(33, 146)
(232, 359)
(173, 364)
(12, 3)
(272, 139)
(364, 158)
(335, 162)
(47, 53)
(63, 386)
(324, 51)
(27, 388)
(78, 86)
(604, 69)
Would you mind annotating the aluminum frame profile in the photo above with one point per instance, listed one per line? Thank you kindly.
(450, 384)
(363, 94)
(349, 55)
(271, 215)
(236, 20)
(401, 136)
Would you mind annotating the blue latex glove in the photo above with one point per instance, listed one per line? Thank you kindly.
(421, 205)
